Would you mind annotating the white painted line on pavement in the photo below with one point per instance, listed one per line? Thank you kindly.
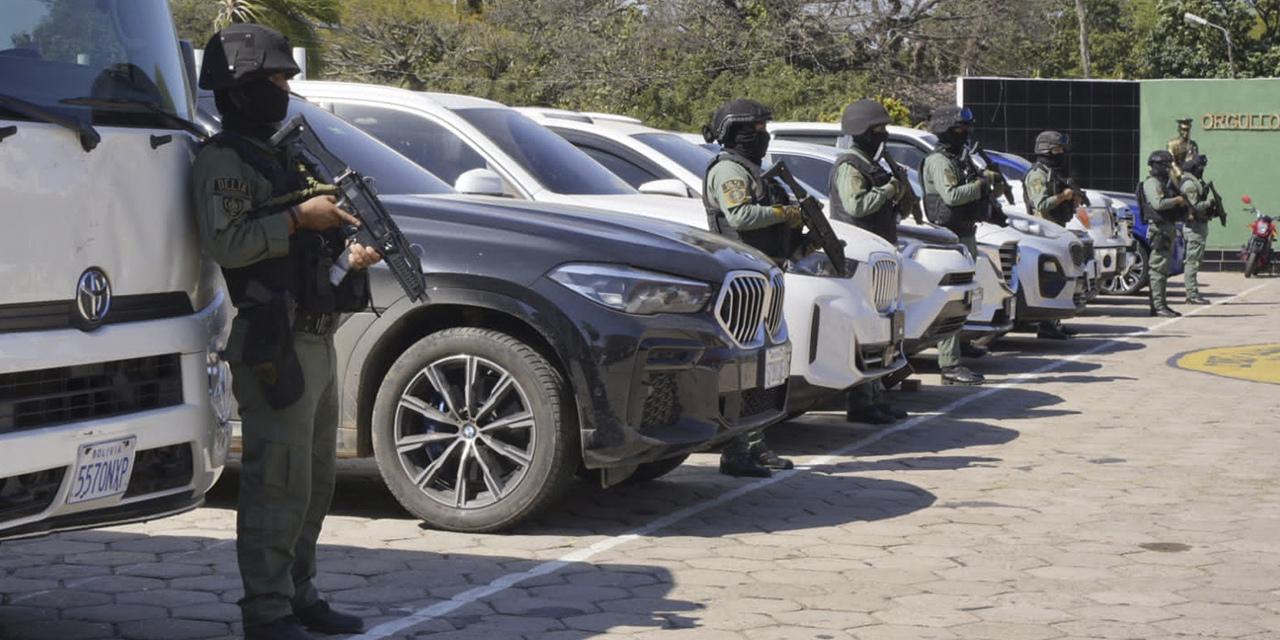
(467, 597)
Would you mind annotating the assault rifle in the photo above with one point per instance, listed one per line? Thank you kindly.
(1216, 210)
(910, 200)
(1000, 186)
(1081, 196)
(376, 229)
(811, 210)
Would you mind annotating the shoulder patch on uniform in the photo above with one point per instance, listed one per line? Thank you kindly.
(949, 176)
(1035, 182)
(233, 193)
(735, 192)
(230, 186)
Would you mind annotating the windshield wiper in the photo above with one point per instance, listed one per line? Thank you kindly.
(89, 137)
(141, 104)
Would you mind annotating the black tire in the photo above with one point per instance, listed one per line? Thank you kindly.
(479, 461)
(1251, 264)
(645, 471)
(1134, 278)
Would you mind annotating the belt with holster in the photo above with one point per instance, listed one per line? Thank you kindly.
(321, 324)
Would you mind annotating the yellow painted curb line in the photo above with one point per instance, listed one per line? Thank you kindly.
(1256, 363)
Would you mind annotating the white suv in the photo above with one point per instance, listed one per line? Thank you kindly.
(1052, 265)
(843, 330)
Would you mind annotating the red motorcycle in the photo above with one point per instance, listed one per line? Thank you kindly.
(1257, 254)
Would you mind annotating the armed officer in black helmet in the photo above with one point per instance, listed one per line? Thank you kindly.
(741, 206)
(1163, 207)
(865, 194)
(274, 229)
(957, 197)
(1047, 195)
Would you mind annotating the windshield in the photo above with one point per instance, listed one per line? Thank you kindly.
(391, 172)
(556, 164)
(123, 50)
(694, 158)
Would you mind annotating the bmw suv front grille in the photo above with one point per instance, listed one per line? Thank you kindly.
(884, 282)
(1008, 261)
(746, 305)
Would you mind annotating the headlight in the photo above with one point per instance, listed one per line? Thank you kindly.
(815, 264)
(1032, 227)
(634, 290)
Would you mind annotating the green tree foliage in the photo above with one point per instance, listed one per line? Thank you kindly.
(672, 62)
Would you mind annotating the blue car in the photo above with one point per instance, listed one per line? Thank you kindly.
(1133, 277)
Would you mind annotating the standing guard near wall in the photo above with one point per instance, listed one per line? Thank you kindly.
(1163, 206)
(1196, 228)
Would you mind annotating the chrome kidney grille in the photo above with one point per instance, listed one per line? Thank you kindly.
(884, 283)
(1008, 261)
(749, 301)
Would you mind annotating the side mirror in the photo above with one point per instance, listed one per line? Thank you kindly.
(666, 187)
(479, 182)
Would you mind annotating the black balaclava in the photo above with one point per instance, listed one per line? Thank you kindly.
(870, 141)
(1160, 169)
(954, 140)
(750, 142)
(253, 109)
(1055, 161)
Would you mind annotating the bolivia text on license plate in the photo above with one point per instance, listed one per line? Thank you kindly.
(102, 469)
(777, 365)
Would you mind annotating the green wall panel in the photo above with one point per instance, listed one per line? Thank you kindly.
(1237, 125)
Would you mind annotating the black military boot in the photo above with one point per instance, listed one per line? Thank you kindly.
(897, 414)
(971, 350)
(1198, 299)
(319, 617)
(1165, 312)
(285, 628)
(869, 415)
(961, 375)
(1050, 331)
(767, 458)
(743, 466)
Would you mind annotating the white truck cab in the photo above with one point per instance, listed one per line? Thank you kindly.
(114, 402)
(843, 330)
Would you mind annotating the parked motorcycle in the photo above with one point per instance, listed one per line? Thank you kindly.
(1257, 253)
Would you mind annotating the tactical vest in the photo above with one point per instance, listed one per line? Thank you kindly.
(1149, 212)
(1060, 214)
(961, 219)
(776, 241)
(303, 275)
(884, 222)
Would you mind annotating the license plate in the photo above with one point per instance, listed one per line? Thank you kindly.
(777, 365)
(102, 470)
(898, 326)
(975, 300)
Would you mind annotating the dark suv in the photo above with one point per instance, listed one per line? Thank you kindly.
(554, 340)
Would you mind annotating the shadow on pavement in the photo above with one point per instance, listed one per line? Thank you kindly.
(105, 584)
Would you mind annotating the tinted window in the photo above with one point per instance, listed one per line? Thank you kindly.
(905, 153)
(632, 173)
(559, 166)
(392, 173)
(694, 158)
(811, 171)
(423, 141)
(825, 139)
(55, 51)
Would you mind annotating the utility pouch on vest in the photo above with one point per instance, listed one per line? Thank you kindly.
(1160, 241)
(269, 352)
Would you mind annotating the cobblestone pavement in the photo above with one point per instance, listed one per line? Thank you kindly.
(1091, 490)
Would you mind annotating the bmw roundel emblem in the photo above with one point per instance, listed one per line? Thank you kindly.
(93, 298)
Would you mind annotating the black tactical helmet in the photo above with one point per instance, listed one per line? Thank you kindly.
(862, 116)
(1195, 161)
(734, 113)
(1050, 139)
(948, 116)
(1160, 157)
(243, 52)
